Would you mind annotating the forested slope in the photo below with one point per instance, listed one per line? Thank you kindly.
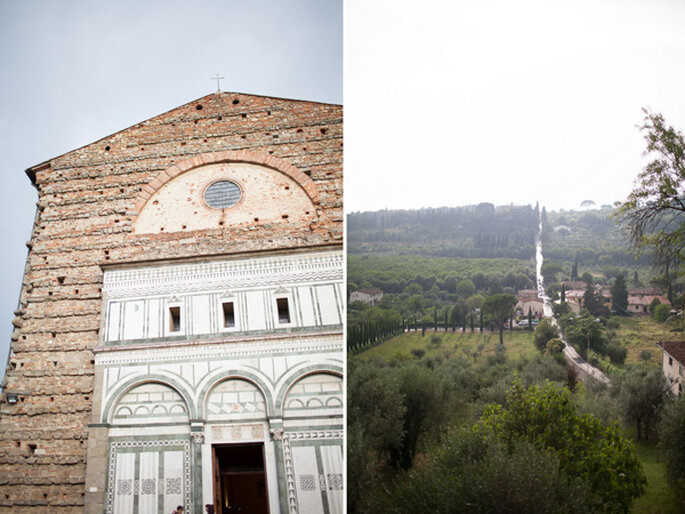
(590, 237)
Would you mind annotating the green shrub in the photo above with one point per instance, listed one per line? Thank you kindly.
(418, 352)
(645, 355)
(661, 312)
(617, 353)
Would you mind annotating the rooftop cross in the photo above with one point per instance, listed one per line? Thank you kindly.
(217, 78)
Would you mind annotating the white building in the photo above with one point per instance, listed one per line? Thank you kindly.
(368, 296)
(673, 364)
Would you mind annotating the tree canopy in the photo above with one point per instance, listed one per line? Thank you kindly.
(642, 392)
(672, 441)
(654, 212)
(499, 307)
(543, 333)
(548, 417)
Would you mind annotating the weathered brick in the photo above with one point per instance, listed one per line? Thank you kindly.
(89, 200)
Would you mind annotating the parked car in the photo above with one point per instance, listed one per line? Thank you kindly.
(524, 323)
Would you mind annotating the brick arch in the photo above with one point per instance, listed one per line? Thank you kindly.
(248, 156)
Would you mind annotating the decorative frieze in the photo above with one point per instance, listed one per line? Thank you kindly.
(256, 272)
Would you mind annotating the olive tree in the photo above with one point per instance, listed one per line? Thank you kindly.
(672, 441)
(641, 394)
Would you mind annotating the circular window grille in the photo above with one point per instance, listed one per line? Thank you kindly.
(222, 194)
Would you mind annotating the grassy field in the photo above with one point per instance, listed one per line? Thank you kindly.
(640, 333)
(658, 497)
(518, 344)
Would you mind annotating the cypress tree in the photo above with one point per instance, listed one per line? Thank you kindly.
(530, 318)
(619, 295)
(590, 300)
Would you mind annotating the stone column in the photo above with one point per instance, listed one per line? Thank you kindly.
(277, 434)
(197, 440)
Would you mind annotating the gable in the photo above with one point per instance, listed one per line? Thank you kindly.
(224, 194)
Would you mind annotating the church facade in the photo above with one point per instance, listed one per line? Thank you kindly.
(179, 334)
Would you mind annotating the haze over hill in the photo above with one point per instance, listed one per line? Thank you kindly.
(589, 236)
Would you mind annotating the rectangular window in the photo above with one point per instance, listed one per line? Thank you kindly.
(283, 310)
(229, 314)
(175, 319)
(670, 361)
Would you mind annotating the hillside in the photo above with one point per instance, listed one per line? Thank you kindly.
(589, 237)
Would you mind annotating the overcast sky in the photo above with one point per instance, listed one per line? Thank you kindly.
(461, 102)
(446, 102)
(72, 72)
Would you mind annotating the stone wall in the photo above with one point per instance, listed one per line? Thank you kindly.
(89, 200)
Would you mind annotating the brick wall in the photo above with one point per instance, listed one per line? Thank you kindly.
(88, 202)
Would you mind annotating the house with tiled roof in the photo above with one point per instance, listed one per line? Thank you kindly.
(576, 298)
(639, 299)
(529, 301)
(371, 296)
(673, 363)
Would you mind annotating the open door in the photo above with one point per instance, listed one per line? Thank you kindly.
(239, 479)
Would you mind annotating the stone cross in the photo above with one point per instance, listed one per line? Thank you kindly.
(217, 78)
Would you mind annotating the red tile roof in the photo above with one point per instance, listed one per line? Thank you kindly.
(675, 349)
(646, 300)
(370, 291)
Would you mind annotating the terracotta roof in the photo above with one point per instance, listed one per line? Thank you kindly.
(646, 300)
(527, 295)
(675, 349)
(369, 291)
(643, 291)
(575, 284)
(574, 293)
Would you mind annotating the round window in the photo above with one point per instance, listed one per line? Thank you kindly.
(222, 194)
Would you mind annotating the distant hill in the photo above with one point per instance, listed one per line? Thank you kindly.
(486, 231)
(477, 231)
(590, 236)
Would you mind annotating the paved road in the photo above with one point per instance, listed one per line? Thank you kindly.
(570, 353)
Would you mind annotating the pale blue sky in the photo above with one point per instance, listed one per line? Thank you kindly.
(72, 72)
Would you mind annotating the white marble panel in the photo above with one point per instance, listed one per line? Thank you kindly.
(123, 486)
(256, 315)
(113, 321)
(134, 319)
(330, 314)
(173, 480)
(155, 318)
(200, 315)
(148, 481)
(307, 480)
(332, 462)
(306, 304)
